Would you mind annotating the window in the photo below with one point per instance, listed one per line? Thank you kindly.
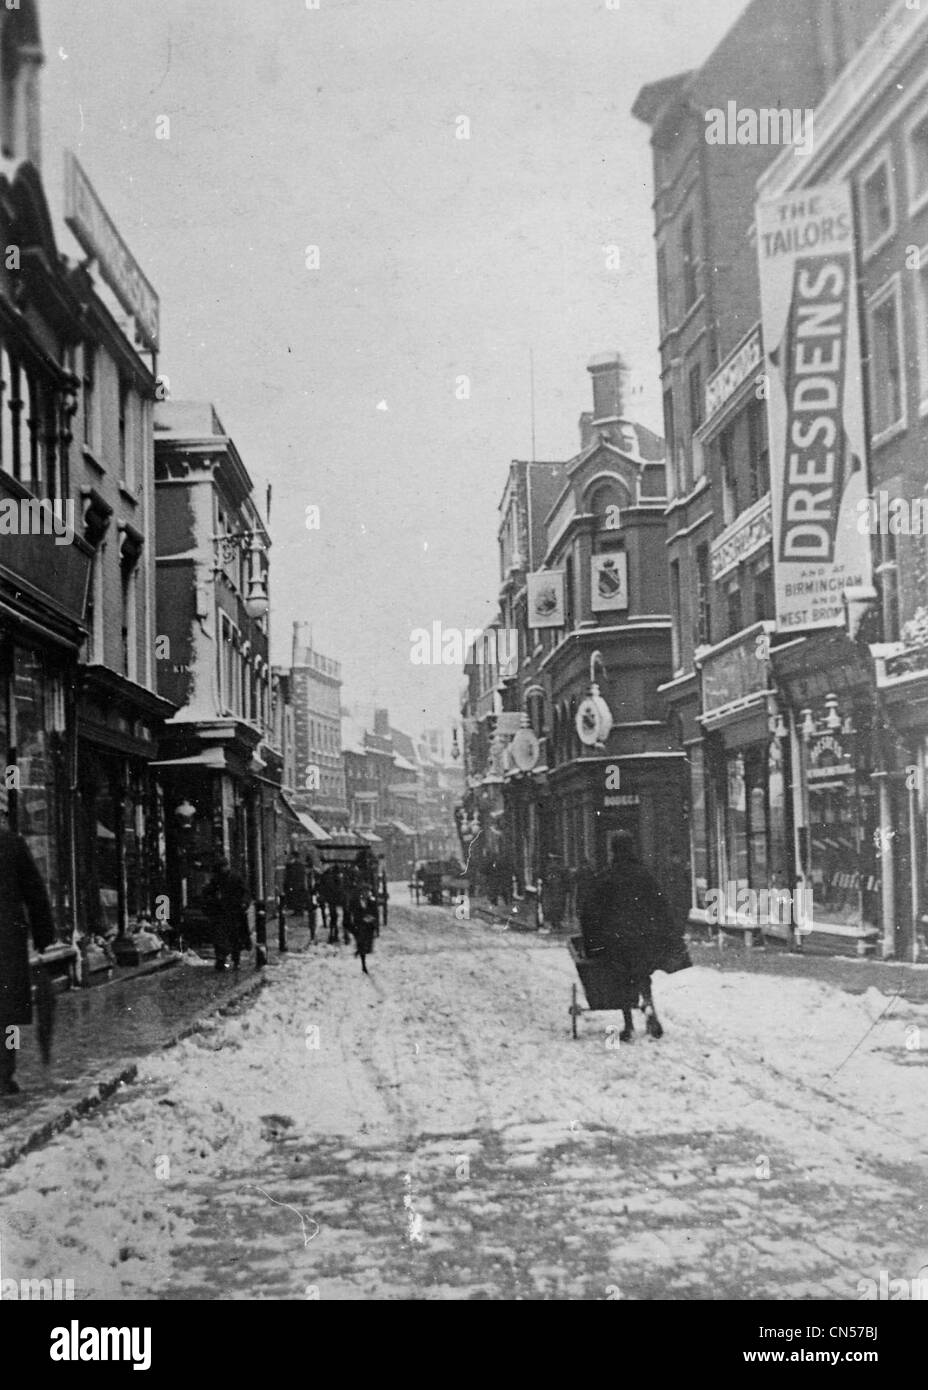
(569, 596)
(89, 393)
(690, 265)
(921, 323)
(733, 600)
(124, 408)
(128, 587)
(916, 150)
(670, 440)
(758, 451)
(877, 203)
(728, 476)
(888, 572)
(696, 397)
(703, 625)
(675, 601)
(764, 607)
(662, 289)
(887, 384)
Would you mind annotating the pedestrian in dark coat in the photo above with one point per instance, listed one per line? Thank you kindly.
(634, 923)
(225, 899)
(383, 893)
(22, 896)
(295, 883)
(364, 924)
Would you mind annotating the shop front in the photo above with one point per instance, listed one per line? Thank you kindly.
(745, 850)
(843, 797)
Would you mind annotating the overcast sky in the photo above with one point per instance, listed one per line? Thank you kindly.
(439, 258)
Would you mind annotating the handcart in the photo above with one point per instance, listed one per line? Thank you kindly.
(601, 986)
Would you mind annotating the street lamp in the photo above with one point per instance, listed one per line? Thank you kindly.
(226, 542)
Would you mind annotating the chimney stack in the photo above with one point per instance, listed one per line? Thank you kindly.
(610, 377)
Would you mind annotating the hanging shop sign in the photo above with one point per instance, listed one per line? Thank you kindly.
(815, 403)
(525, 750)
(594, 720)
(94, 228)
(609, 576)
(546, 599)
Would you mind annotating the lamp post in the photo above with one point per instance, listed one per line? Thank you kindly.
(184, 816)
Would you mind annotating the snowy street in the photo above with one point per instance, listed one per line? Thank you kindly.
(433, 1131)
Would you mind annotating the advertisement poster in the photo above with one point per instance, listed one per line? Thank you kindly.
(815, 409)
(546, 599)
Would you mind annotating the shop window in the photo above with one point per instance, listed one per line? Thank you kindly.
(877, 203)
(886, 363)
(699, 827)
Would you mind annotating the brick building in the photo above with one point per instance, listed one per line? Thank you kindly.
(720, 693)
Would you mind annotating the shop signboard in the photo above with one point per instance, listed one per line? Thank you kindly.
(815, 404)
(734, 674)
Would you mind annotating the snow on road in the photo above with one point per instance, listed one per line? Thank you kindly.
(434, 1131)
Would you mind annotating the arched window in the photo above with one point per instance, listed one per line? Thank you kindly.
(606, 499)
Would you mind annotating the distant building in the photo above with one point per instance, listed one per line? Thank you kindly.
(219, 766)
(316, 683)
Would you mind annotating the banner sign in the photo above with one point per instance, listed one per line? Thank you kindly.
(546, 599)
(609, 581)
(815, 411)
(91, 224)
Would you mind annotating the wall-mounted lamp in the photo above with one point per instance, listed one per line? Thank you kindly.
(807, 727)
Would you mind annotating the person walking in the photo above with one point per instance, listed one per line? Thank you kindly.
(225, 899)
(312, 897)
(295, 884)
(22, 895)
(629, 916)
(383, 894)
(364, 924)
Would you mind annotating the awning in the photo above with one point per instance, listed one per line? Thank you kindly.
(213, 758)
(370, 837)
(290, 810)
(402, 827)
(312, 827)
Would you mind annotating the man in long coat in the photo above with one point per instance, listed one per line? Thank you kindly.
(22, 894)
(633, 921)
(225, 899)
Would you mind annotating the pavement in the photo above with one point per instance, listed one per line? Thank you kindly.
(432, 1131)
(102, 1032)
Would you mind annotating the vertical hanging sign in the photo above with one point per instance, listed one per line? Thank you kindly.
(815, 403)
